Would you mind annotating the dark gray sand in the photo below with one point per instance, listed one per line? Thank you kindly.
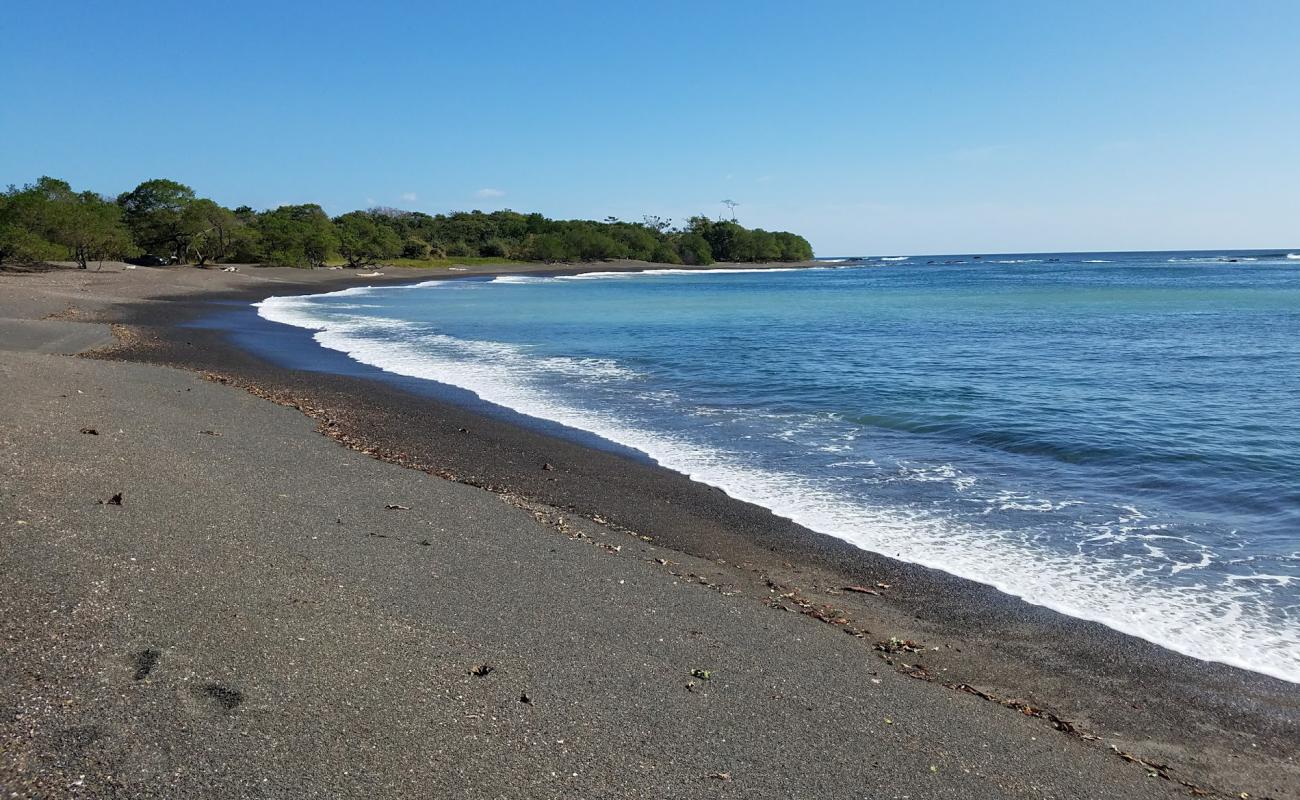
(254, 621)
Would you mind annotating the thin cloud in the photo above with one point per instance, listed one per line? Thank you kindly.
(488, 194)
(409, 197)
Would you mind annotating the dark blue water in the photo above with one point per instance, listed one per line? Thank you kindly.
(1115, 436)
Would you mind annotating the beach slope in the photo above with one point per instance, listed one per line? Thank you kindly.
(204, 598)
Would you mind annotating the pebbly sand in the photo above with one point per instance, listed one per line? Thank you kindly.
(254, 620)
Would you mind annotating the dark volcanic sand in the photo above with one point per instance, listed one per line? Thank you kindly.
(1214, 726)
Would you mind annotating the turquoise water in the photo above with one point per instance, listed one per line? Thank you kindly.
(1115, 436)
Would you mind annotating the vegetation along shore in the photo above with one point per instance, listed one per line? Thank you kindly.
(162, 221)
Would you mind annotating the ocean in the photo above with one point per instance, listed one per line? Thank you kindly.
(1115, 436)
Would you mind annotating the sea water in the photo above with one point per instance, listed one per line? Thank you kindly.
(1114, 436)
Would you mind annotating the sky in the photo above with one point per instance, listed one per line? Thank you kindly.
(870, 127)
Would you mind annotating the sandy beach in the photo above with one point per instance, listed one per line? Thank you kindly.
(225, 578)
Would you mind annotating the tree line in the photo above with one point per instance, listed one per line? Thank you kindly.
(165, 220)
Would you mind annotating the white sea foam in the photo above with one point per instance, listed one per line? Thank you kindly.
(521, 279)
(1097, 261)
(675, 271)
(1293, 256)
(607, 275)
(894, 258)
(1206, 621)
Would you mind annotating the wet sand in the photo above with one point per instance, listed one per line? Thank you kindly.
(278, 664)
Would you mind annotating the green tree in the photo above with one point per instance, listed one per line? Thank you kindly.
(27, 221)
(47, 220)
(793, 247)
(155, 214)
(91, 228)
(362, 240)
(638, 241)
(694, 249)
(547, 247)
(297, 236)
(210, 230)
(586, 242)
(416, 248)
(495, 248)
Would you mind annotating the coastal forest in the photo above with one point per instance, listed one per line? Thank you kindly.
(163, 221)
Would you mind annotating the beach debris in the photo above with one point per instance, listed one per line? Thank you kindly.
(860, 590)
(396, 507)
(115, 500)
(882, 585)
(230, 269)
(888, 721)
(1064, 726)
(90, 431)
(369, 274)
(690, 686)
(896, 645)
(425, 542)
(1156, 768)
(719, 776)
(525, 699)
(547, 467)
(482, 670)
(702, 674)
(209, 433)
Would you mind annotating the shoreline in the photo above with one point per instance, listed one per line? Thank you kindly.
(641, 444)
(1212, 724)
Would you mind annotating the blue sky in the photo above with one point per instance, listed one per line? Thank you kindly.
(871, 127)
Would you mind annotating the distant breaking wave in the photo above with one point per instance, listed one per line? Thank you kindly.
(588, 276)
(1212, 259)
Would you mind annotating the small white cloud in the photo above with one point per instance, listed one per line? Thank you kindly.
(488, 194)
(370, 201)
(409, 197)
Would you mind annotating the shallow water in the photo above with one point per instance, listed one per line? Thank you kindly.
(1115, 436)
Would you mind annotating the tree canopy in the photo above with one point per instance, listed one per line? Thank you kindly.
(165, 219)
(154, 211)
(48, 220)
